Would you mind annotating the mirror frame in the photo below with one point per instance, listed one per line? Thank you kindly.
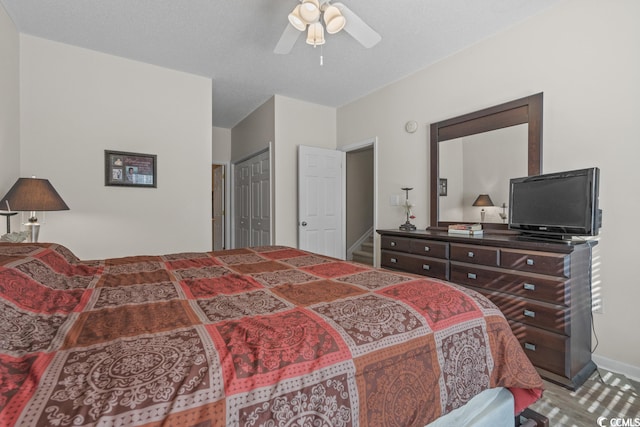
(524, 110)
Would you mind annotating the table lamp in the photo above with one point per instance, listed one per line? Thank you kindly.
(483, 200)
(33, 195)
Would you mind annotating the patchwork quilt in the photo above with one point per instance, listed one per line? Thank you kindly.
(269, 336)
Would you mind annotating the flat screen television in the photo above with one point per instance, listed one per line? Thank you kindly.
(556, 205)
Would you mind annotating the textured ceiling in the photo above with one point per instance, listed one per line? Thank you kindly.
(232, 42)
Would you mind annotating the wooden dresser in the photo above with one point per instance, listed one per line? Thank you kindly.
(543, 289)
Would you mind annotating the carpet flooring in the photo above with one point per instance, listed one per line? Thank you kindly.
(604, 394)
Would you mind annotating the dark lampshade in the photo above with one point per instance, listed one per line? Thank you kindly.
(33, 194)
(483, 200)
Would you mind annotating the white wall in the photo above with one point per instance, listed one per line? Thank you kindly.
(9, 109)
(584, 56)
(75, 103)
(450, 158)
(220, 145)
(254, 133)
(490, 159)
(296, 123)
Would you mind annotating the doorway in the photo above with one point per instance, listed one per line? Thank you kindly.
(359, 205)
(357, 214)
(361, 201)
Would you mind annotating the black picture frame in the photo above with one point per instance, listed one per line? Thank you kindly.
(125, 169)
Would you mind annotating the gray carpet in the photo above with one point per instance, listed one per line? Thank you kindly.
(604, 394)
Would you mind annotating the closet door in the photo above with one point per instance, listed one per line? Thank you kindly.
(242, 205)
(252, 201)
(260, 200)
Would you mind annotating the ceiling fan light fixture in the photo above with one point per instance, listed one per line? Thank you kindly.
(333, 20)
(329, 17)
(310, 11)
(315, 34)
(296, 20)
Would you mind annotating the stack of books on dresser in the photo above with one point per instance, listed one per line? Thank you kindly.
(466, 229)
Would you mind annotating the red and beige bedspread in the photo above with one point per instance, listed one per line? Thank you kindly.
(259, 336)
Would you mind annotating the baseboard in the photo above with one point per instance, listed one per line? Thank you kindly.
(630, 371)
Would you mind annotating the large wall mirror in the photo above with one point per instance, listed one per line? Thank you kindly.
(478, 153)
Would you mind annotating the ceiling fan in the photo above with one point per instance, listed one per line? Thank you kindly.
(309, 15)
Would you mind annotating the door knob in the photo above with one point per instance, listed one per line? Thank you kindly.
(303, 223)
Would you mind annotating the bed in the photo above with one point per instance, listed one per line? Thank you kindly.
(269, 336)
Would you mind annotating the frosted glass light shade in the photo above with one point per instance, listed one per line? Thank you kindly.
(315, 34)
(333, 20)
(296, 20)
(310, 11)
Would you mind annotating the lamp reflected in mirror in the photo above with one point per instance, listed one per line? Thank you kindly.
(483, 200)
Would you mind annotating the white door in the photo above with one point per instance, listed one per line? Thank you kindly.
(218, 207)
(320, 199)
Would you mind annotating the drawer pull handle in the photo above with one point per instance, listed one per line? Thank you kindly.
(530, 286)
(530, 313)
(426, 267)
(471, 275)
(394, 260)
(427, 248)
(470, 254)
(529, 346)
(530, 261)
(393, 243)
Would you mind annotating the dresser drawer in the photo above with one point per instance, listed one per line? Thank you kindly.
(533, 286)
(393, 243)
(546, 316)
(424, 266)
(536, 262)
(430, 248)
(475, 254)
(545, 349)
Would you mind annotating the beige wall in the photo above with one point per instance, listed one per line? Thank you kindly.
(296, 123)
(584, 56)
(9, 108)
(220, 145)
(254, 133)
(75, 103)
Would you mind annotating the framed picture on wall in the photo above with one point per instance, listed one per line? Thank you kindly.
(126, 169)
(442, 186)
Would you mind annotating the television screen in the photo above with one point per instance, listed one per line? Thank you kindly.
(561, 204)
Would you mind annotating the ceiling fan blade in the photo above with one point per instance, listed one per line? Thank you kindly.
(358, 29)
(287, 40)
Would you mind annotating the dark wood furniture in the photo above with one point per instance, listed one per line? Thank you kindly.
(524, 110)
(543, 289)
